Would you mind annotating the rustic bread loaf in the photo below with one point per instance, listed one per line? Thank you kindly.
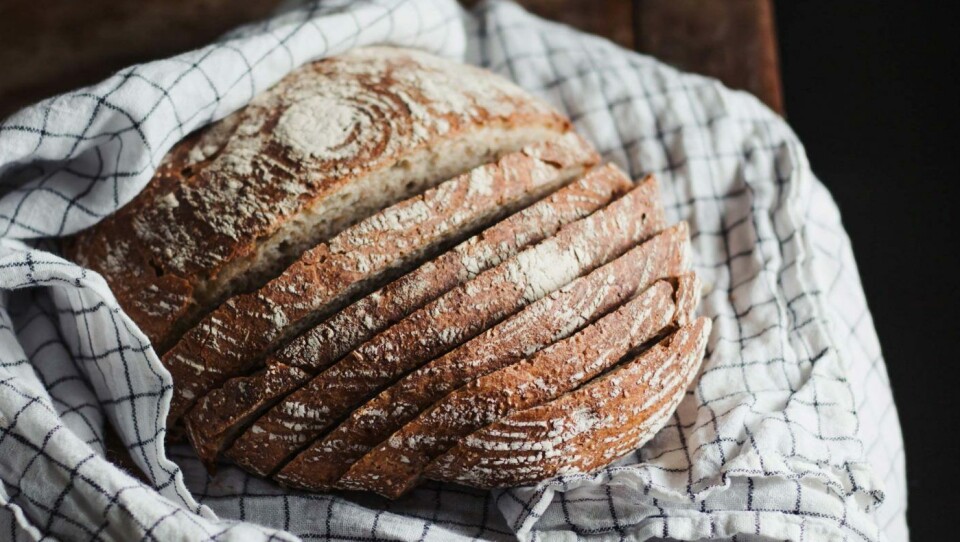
(236, 337)
(458, 315)
(218, 416)
(250, 258)
(585, 429)
(395, 466)
(331, 143)
(552, 318)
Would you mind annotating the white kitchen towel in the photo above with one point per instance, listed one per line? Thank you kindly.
(790, 432)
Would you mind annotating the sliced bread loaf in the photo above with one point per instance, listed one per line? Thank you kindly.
(395, 466)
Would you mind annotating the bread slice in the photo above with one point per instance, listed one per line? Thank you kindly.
(457, 316)
(552, 318)
(395, 466)
(583, 430)
(218, 416)
(331, 143)
(237, 336)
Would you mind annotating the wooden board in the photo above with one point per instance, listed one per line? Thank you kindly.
(52, 46)
(733, 40)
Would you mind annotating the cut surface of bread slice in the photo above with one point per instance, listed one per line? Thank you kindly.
(395, 466)
(455, 317)
(218, 416)
(238, 335)
(332, 142)
(552, 318)
(585, 429)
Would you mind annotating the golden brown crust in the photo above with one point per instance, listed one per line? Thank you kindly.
(359, 322)
(395, 466)
(199, 229)
(583, 430)
(552, 318)
(236, 337)
(230, 407)
(216, 418)
(457, 316)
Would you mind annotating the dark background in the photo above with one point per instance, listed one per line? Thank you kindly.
(872, 94)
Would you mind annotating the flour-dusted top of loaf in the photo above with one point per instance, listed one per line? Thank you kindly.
(220, 193)
(320, 124)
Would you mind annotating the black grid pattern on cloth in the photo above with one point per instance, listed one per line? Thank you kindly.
(775, 440)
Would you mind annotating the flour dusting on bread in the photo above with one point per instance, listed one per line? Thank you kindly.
(392, 267)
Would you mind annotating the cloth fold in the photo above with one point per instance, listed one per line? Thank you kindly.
(790, 431)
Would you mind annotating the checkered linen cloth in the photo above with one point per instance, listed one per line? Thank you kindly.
(789, 433)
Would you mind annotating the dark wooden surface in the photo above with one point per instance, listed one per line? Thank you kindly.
(732, 40)
(52, 46)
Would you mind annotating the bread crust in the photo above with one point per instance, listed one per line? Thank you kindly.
(583, 430)
(395, 466)
(550, 319)
(237, 336)
(250, 257)
(222, 196)
(457, 316)
(221, 413)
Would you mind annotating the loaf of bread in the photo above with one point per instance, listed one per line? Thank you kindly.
(236, 336)
(390, 267)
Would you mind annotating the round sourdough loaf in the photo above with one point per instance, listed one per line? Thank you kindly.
(391, 267)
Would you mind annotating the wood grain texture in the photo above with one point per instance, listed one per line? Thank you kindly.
(57, 45)
(734, 41)
(612, 19)
(54, 46)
